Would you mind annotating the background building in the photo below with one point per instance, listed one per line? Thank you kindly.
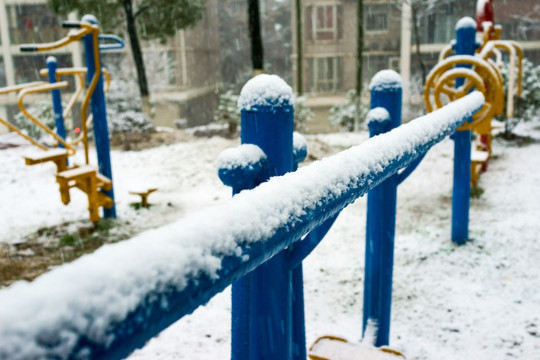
(329, 33)
(184, 73)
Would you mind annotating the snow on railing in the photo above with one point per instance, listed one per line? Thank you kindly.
(111, 302)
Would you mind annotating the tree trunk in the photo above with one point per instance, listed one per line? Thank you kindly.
(359, 61)
(137, 57)
(255, 36)
(299, 50)
(416, 34)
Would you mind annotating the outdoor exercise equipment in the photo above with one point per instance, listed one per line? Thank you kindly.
(257, 241)
(477, 64)
(95, 183)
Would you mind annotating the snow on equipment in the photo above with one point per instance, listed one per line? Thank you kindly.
(255, 241)
(336, 348)
(477, 65)
(95, 182)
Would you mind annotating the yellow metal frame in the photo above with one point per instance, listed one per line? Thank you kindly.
(79, 75)
(38, 89)
(77, 35)
(88, 180)
(483, 77)
(16, 88)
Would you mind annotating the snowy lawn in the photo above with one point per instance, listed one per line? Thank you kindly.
(478, 301)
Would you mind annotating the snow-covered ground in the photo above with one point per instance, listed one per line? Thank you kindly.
(478, 301)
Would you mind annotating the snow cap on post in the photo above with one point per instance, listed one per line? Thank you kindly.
(466, 22)
(386, 80)
(51, 60)
(378, 120)
(265, 91)
(378, 114)
(240, 165)
(90, 19)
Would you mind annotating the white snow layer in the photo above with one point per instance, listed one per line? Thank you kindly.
(240, 157)
(378, 114)
(466, 22)
(481, 6)
(265, 90)
(84, 297)
(385, 80)
(299, 142)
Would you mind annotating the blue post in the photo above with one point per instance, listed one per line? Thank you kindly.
(99, 112)
(465, 45)
(267, 304)
(52, 65)
(386, 92)
(270, 126)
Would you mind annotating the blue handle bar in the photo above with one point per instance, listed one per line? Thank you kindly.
(119, 43)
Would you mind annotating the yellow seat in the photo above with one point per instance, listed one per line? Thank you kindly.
(87, 179)
(58, 156)
(335, 348)
(144, 195)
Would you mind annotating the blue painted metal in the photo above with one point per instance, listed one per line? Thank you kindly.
(99, 112)
(409, 170)
(164, 303)
(114, 42)
(52, 65)
(302, 249)
(381, 224)
(461, 191)
(270, 323)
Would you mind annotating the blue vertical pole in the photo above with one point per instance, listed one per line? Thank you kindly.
(386, 92)
(99, 112)
(461, 192)
(52, 65)
(267, 321)
(299, 351)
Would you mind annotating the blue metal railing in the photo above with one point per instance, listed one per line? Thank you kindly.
(63, 314)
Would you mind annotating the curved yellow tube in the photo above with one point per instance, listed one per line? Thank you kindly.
(37, 89)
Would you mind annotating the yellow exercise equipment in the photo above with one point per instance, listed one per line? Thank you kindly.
(482, 72)
(333, 348)
(86, 177)
(441, 89)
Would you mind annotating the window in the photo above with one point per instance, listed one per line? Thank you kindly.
(33, 23)
(373, 64)
(438, 27)
(376, 18)
(325, 74)
(2, 72)
(27, 67)
(324, 22)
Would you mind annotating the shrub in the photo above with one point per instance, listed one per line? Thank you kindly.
(302, 114)
(43, 111)
(343, 114)
(227, 111)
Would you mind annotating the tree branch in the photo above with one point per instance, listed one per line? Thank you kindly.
(142, 9)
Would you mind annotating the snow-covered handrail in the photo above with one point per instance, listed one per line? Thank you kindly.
(107, 304)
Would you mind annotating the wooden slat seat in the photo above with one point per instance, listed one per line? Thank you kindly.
(58, 156)
(76, 173)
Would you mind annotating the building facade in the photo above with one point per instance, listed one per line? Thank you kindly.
(183, 73)
(329, 33)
